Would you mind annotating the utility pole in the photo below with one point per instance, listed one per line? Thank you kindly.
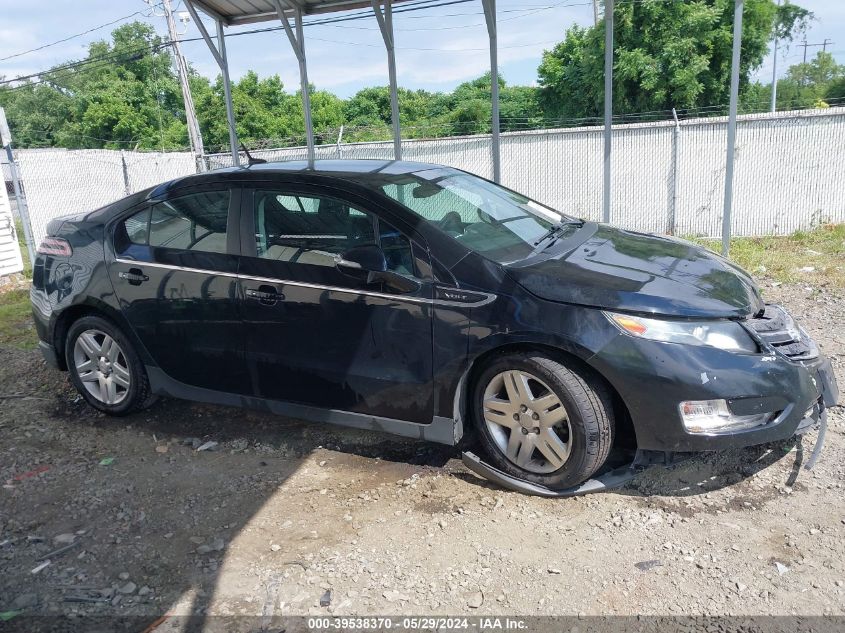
(729, 162)
(608, 106)
(595, 12)
(775, 70)
(181, 66)
(827, 42)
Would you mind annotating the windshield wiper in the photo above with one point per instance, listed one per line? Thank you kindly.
(555, 229)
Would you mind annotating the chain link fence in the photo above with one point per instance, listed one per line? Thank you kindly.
(667, 177)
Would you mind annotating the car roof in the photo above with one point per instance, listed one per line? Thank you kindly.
(351, 170)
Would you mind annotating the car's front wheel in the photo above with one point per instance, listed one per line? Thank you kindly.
(105, 368)
(543, 421)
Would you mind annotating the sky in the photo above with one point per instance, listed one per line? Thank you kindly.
(436, 49)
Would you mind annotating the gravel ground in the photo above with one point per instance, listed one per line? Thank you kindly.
(279, 512)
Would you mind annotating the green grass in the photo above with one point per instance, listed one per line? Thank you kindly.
(27, 265)
(16, 327)
(783, 258)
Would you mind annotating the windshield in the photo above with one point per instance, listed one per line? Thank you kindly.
(496, 222)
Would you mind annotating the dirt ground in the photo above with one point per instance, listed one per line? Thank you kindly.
(281, 511)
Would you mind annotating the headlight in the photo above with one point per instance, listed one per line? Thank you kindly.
(712, 417)
(726, 335)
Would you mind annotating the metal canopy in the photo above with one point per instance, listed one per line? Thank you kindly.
(234, 12)
(237, 12)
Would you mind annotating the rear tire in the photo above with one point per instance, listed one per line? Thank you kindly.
(105, 368)
(541, 420)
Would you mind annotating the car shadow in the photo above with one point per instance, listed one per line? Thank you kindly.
(295, 441)
(299, 437)
(170, 517)
(152, 511)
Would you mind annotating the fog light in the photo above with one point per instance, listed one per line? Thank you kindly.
(713, 417)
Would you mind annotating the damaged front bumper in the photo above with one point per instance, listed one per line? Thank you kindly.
(790, 380)
(653, 378)
(618, 477)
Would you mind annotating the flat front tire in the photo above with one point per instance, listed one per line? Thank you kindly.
(541, 420)
(105, 368)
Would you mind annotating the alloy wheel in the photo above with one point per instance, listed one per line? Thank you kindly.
(527, 421)
(101, 366)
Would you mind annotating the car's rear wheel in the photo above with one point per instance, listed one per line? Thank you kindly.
(105, 368)
(542, 421)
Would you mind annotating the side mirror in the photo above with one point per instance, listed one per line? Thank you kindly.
(395, 281)
(360, 260)
(368, 263)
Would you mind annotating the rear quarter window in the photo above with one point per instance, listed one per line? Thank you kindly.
(194, 222)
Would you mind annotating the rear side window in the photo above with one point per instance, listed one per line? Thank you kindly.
(194, 222)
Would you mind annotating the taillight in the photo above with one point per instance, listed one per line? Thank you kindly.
(56, 246)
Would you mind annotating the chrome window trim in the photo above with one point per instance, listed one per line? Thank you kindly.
(488, 297)
(187, 269)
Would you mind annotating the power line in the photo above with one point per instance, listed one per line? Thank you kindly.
(413, 6)
(432, 50)
(71, 37)
(410, 6)
(524, 11)
(416, 5)
(114, 55)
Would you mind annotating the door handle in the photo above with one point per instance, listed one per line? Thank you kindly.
(266, 295)
(134, 276)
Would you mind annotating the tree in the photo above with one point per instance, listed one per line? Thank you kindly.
(370, 107)
(836, 90)
(469, 107)
(666, 54)
(36, 114)
(125, 95)
(806, 85)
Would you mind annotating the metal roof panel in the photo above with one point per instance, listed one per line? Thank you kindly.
(234, 12)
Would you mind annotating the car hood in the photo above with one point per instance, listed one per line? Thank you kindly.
(609, 268)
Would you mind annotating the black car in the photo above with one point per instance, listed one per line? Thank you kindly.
(422, 301)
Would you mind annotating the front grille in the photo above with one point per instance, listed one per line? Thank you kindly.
(777, 328)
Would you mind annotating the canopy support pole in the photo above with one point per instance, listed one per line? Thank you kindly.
(729, 163)
(219, 54)
(227, 93)
(608, 105)
(297, 42)
(385, 23)
(490, 17)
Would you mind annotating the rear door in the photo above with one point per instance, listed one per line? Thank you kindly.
(175, 275)
(317, 336)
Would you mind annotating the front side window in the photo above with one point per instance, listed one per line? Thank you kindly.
(194, 222)
(496, 222)
(314, 230)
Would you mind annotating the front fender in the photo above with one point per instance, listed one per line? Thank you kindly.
(573, 330)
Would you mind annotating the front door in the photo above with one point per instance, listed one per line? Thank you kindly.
(175, 275)
(318, 336)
